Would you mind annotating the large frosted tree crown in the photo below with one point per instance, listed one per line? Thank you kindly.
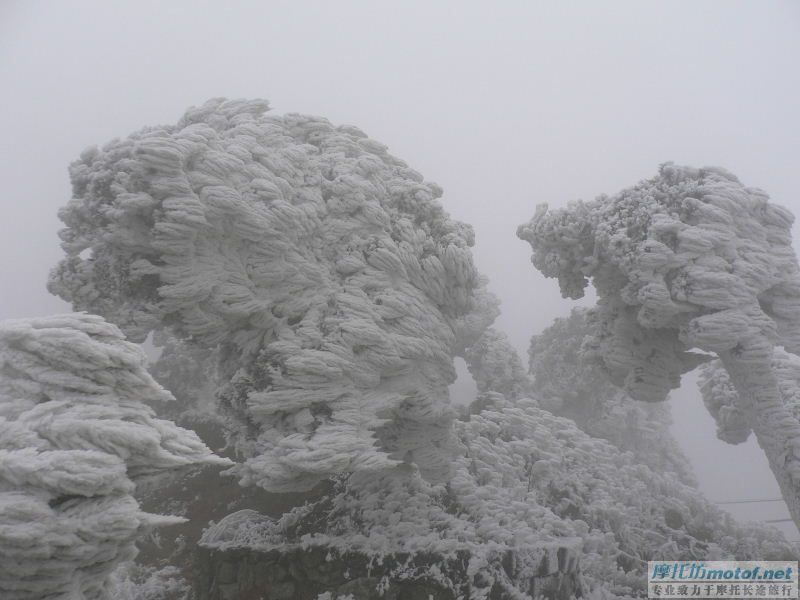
(688, 259)
(335, 283)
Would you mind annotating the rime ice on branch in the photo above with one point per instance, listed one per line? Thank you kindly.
(722, 399)
(334, 283)
(688, 259)
(74, 435)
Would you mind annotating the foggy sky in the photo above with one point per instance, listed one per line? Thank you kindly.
(504, 104)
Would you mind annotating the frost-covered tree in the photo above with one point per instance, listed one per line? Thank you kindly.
(323, 268)
(688, 259)
(569, 382)
(75, 436)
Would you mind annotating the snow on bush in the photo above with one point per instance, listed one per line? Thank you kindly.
(529, 482)
(74, 436)
(326, 270)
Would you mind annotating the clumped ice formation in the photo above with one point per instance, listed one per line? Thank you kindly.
(74, 436)
(688, 259)
(331, 278)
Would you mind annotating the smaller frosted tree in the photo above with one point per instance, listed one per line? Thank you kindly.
(75, 436)
(688, 259)
(569, 381)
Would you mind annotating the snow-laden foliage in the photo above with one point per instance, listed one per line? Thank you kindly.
(336, 285)
(570, 382)
(688, 259)
(74, 436)
(624, 511)
(529, 481)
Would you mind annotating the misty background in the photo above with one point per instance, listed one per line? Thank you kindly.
(504, 104)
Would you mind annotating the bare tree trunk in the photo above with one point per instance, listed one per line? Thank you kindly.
(776, 429)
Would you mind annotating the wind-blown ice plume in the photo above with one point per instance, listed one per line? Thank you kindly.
(325, 269)
(688, 259)
(74, 435)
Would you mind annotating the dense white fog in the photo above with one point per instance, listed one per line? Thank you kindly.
(505, 105)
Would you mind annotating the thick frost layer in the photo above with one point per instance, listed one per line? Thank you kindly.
(74, 434)
(336, 285)
(690, 258)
